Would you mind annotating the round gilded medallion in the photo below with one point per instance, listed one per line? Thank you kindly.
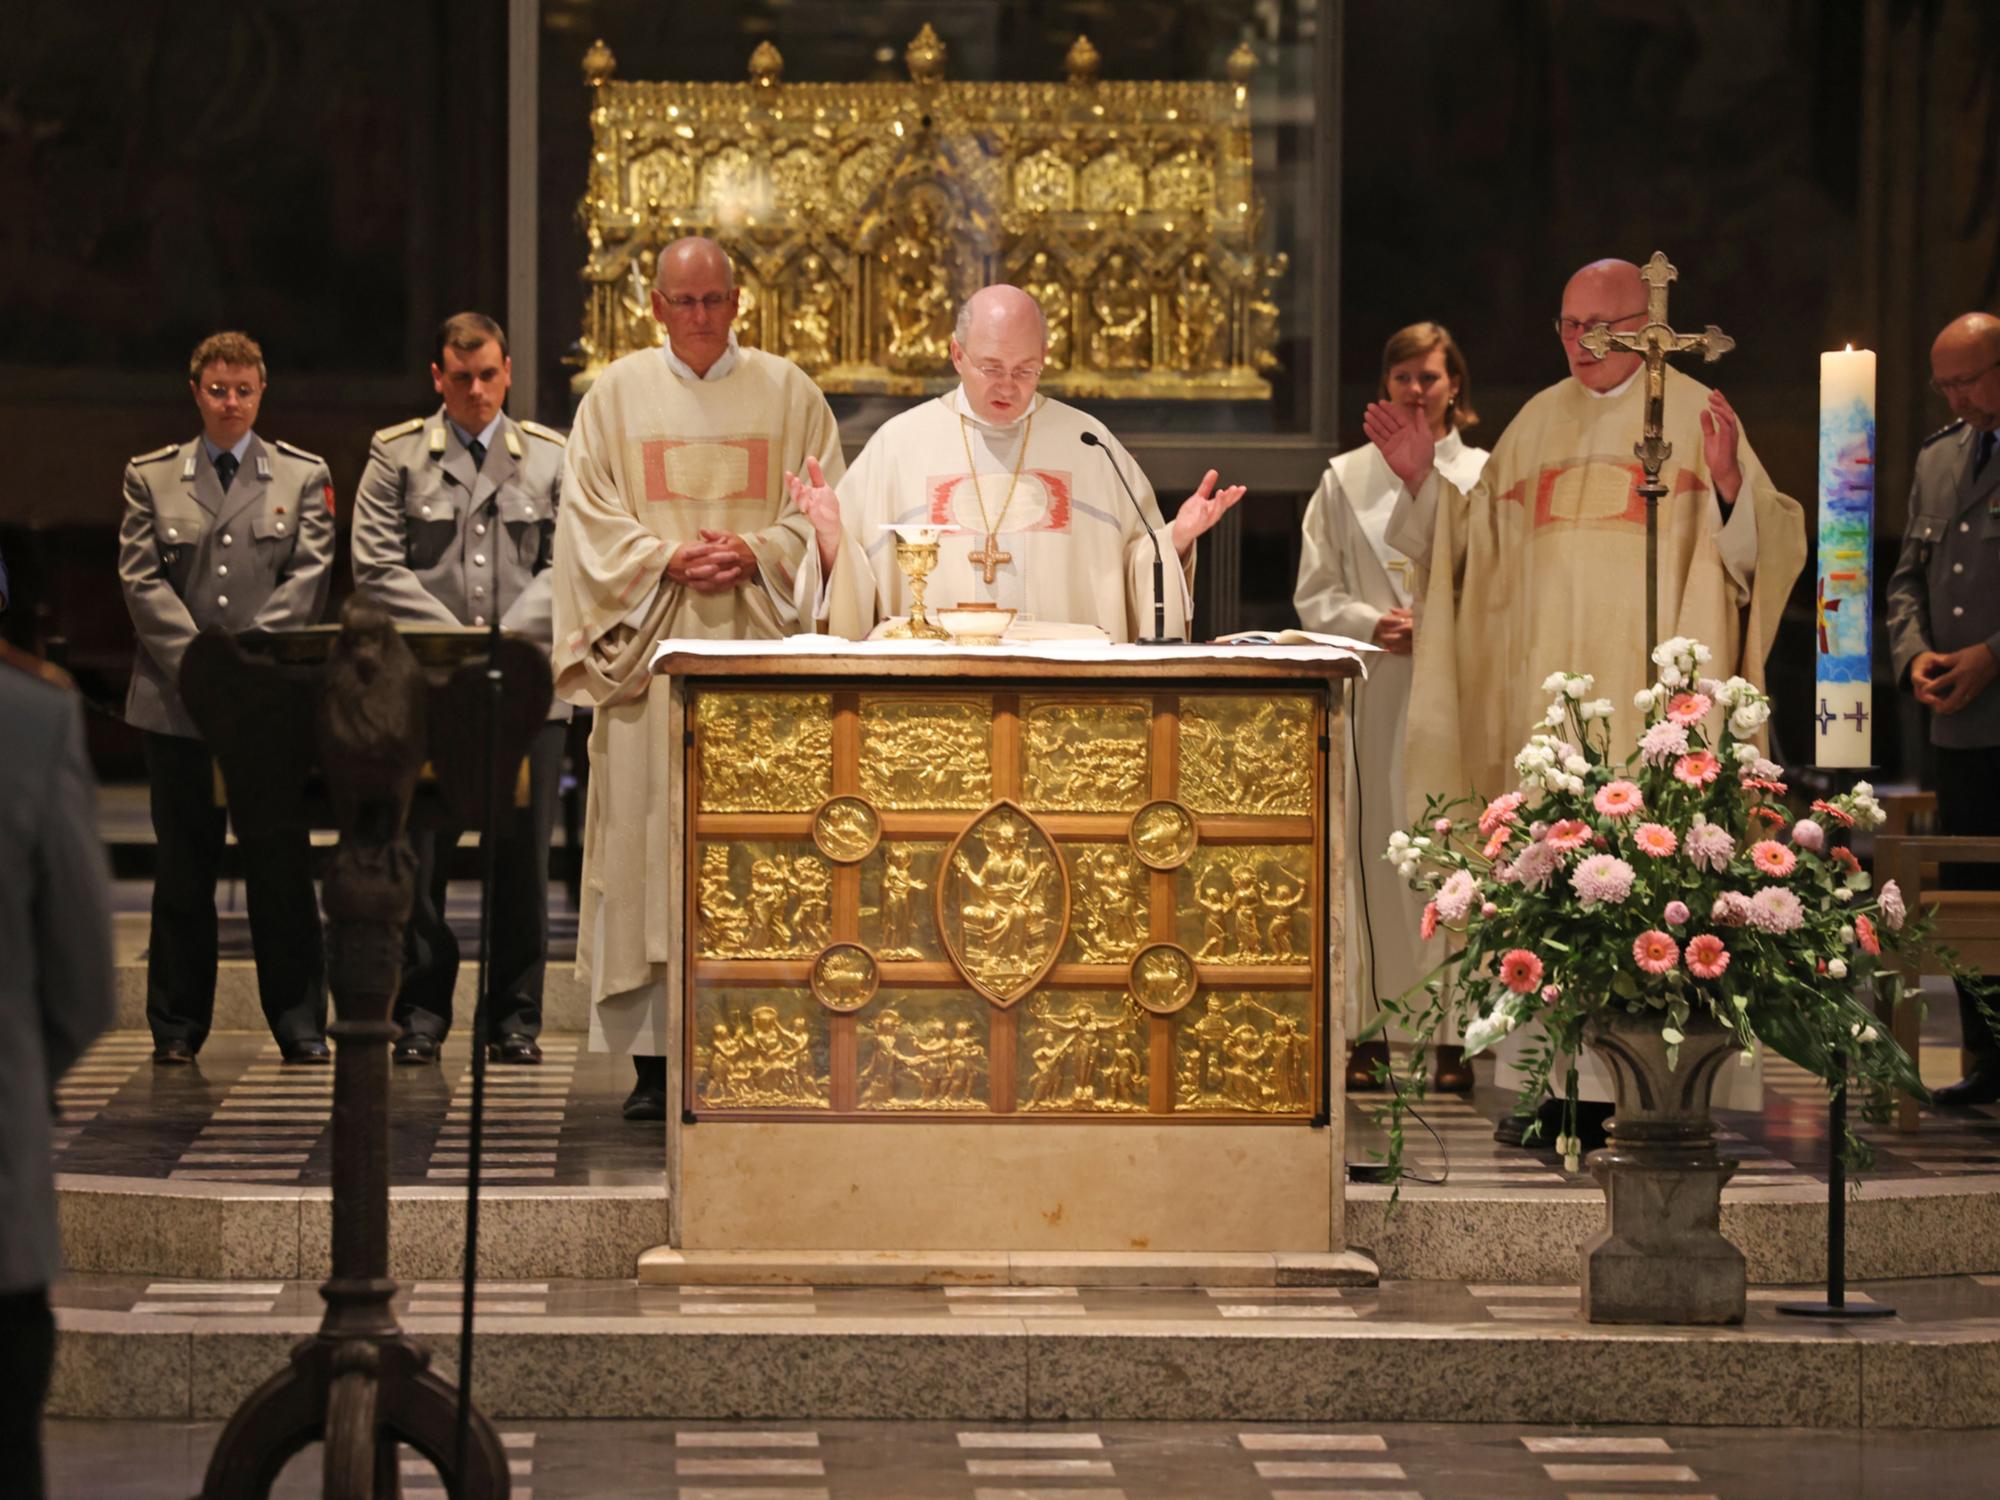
(1163, 835)
(1163, 977)
(844, 977)
(847, 829)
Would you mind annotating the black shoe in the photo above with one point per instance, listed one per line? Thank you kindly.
(646, 1103)
(1980, 1086)
(172, 1053)
(515, 1047)
(414, 1049)
(308, 1054)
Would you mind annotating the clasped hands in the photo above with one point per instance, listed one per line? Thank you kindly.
(715, 564)
(1945, 681)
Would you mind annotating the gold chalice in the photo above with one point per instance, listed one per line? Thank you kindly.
(917, 556)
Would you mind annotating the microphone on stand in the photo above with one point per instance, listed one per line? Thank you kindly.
(1159, 637)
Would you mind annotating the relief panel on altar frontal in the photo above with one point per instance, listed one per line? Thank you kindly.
(759, 1049)
(1081, 755)
(926, 753)
(1110, 901)
(898, 909)
(763, 751)
(1245, 904)
(1003, 900)
(1247, 755)
(759, 899)
(1082, 1052)
(924, 1051)
(1245, 1054)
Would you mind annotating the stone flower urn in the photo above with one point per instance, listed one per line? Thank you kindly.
(1661, 1257)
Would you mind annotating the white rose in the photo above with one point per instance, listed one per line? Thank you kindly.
(1643, 700)
(1553, 683)
(1672, 676)
(1744, 754)
(1576, 687)
(1702, 655)
(1836, 968)
(1554, 716)
(1576, 765)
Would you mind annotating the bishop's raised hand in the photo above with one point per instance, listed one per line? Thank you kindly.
(1404, 437)
(818, 504)
(1203, 509)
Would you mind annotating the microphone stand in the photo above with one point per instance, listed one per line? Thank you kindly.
(1159, 637)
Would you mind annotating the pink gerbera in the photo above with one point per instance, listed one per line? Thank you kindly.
(1655, 839)
(1841, 855)
(1707, 956)
(1697, 768)
(1773, 858)
(1689, 708)
(1839, 815)
(1570, 833)
(1520, 970)
(1499, 811)
(1655, 951)
(1618, 799)
(1864, 934)
(1499, 840)
(1428, 927)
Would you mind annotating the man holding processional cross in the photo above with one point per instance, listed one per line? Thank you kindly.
(1532, 570)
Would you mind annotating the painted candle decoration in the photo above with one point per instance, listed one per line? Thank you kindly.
(1844, 703)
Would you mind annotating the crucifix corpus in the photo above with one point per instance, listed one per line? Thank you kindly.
(1654, 343)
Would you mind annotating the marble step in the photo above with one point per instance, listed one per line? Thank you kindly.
(1000, 1366)
(565, 1001)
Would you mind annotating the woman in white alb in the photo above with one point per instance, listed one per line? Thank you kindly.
(1353, 583)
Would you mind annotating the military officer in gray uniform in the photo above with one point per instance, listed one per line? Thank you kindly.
(454, 524)
(230, 531)
(1944, 627)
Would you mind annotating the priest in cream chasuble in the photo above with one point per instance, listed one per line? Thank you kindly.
(1045, 527)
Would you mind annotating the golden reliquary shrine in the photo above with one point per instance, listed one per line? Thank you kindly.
(942, 908)
(860, 215)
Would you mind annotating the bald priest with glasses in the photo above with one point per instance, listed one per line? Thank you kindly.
(1053, 518)
(1540, 566)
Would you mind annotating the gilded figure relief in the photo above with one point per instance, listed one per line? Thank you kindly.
(1121, 309)
(1244, 1052)
(1042, 279)
(898, 914)
(1246, 904)
(762, 900)
(844, 977)
(1201, 331)
(759, 1050)
(811, 315)
(1164, 835)
(1083, 1053)
(920, 1051)
(1243, 754)
(918, 297)
(1109, 903)
(764, 751)
(1163, 978)
(1082, 756)
(1002, 901)
(846, 829)
(926, 753)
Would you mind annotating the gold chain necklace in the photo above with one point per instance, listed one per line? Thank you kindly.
(989, 558)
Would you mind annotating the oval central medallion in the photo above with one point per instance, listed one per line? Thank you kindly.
(1003, 902)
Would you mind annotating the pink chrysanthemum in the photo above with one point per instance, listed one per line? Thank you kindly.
(1602, 879)
(1890, 900)
(1570, 833)
(1707, 956)
(1808, 835)
(1520, 970)
(1676, 914)
(1731, 909)
(1775, 909)
(1710, 847)
(1500, 810)
(1661, 742)
(1697, 768)
(1688, 708)
(1773, 858)
(1864, 934)
(1455, 897)
(1655, 839)
(1535, 865)
(1655, 951)
(1618, 799)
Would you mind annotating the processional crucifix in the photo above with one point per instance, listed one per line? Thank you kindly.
(1654, 343)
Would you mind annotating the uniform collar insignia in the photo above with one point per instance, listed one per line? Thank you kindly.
(437, 441)
(513, 441)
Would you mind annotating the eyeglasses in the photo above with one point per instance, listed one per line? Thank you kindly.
(224, 392)
(1022, 373)
(1952, 387)
(713, 302)
(1569, 328)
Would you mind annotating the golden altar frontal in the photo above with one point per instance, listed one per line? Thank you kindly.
(989, 954)
(860, 215)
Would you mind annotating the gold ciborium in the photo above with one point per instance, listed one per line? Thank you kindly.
(917, 556)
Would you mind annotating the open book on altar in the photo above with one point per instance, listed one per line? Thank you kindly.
(1293, 638)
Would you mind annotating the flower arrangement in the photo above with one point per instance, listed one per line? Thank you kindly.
(1674, 883)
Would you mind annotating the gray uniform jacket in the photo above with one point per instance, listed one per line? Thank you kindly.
(438, 542)
(55, 930)
(1945, 592)
(190, 555)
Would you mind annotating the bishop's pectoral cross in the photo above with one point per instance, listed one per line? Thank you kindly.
(1654, 343)
(989, 558)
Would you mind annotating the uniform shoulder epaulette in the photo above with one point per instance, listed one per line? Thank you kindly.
(156, 455)
(401, 429)
(1945, 431)
(547, 434)
(297, 452)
